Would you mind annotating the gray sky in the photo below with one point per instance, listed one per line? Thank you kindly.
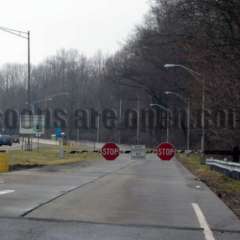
(87, 25)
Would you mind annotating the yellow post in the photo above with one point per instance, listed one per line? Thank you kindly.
(4, 166)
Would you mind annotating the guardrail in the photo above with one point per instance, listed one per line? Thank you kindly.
(230, 169)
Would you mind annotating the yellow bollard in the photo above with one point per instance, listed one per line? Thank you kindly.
(4, 166)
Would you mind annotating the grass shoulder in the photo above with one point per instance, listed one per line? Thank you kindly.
(226, 188)
(49, 156)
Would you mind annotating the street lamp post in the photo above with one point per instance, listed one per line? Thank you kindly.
(29, 69)
(188, 123)
(25, 35)
(188, 103)
(120, 121)
(168, 118)
(138, 120)
(98, 127)
(196, 75)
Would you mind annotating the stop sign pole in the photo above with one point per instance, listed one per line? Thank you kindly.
(110, 151)
(166, 151)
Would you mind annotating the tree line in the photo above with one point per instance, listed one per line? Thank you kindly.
(203, 35)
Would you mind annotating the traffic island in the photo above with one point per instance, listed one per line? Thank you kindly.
(225, 187)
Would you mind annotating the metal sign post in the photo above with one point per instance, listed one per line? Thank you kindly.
(61, 150)
(59, 136)
(38, 135)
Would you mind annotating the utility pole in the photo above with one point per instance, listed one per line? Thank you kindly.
(188, 123)
(120, 121)
(168, 127)
(29, 145)
(138, 120)
(98, 127)
(203, 116)
(25, 35)
(29, 70)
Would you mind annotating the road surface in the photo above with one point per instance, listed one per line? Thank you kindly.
(126, 199)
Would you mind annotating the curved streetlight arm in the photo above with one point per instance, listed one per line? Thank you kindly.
(17, 33)
(191, 71)
(59, 94)
(177, 95)
(160, 106)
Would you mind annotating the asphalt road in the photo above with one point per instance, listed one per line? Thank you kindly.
(126, 199)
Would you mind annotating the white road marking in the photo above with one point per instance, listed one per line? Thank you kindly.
(203, 222)
(6, 192)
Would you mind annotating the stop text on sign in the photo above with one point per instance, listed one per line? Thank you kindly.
(166, 151)
(110, 151)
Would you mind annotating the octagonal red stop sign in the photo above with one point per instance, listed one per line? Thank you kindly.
(110, 151)
(166, 151)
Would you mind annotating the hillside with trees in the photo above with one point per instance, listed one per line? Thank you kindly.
(203, 35)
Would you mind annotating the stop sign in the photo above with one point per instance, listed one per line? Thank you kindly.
(110, 151)
(166, 151)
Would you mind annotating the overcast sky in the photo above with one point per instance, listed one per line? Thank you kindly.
(87, 25)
